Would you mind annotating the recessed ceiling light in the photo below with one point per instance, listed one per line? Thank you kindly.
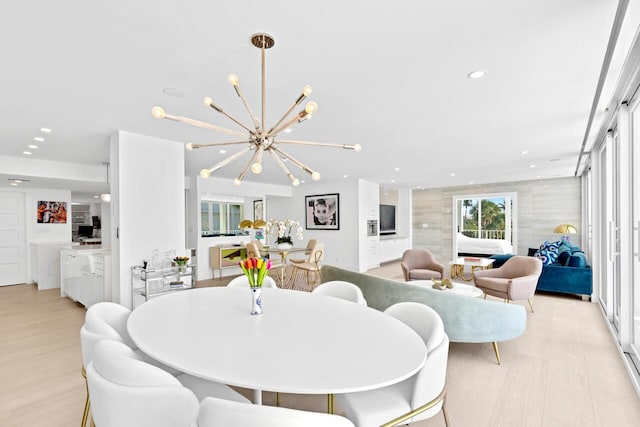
(287, 130)
(396, 169)
(171, 91)
(39, 139)
(27, 153)
(345, 176)
(15, 184)
(302, 181)
(471, 182)
(452, 174)
(532, 166)
(393, 180)
(223, 151)
(419, 187)
(95, 196)
(45, 130)
(33, 146)
(538, 177)
(524, 152)
(478, 74)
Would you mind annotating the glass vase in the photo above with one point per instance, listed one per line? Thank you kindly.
(256, 300)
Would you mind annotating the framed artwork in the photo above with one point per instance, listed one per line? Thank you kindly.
(51, 212)
(258, 209)
(322, 212)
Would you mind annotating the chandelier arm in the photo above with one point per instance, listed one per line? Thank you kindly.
(233, 119)
(292, 178)
(204, 125)
(297, 118)
(246, 106)
(355, 147)
(285, 115)
(219, 144)
(240, 177)
(294, 160)
(229, 159)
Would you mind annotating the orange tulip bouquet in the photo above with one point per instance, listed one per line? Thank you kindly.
(256, 269)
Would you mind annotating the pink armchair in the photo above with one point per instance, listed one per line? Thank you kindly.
(515, 280)
(418, 264)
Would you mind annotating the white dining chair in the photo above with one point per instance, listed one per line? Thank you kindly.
(107, 321)
(417, 398)
(217, 412)
(341, 289)
(242, 281)
(126, 391)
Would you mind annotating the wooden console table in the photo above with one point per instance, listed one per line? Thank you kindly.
(225, 257)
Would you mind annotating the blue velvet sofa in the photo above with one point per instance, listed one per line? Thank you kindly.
(565, 268)
(466, 319)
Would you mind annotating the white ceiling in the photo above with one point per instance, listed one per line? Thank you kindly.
(391, 76)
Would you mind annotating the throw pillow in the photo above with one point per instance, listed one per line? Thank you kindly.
(548, 252)
(563, 257)
(578, 259)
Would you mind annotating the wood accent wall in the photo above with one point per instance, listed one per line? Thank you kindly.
(541, 206)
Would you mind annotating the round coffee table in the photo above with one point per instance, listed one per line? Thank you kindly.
(458, 288)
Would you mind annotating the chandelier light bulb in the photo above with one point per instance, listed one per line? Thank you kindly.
(237, 182)
(357, 147)
(189, 146)
(204, 173)
(105, 197)
(311, 107)
(295, 182)
(158, 112)
(256, 168)
(316, 176)
(207, 101)
(233, 79)
(307, 90)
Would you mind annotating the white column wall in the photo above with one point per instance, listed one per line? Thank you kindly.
(147, 205)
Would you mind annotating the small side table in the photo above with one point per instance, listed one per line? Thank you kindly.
(458, 265)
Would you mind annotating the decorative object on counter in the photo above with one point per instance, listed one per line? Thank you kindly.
(261, 137)
(181, 262)
(283, 230)
(256, 226)
(256, 269)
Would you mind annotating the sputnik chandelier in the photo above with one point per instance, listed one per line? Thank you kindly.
(260, 138)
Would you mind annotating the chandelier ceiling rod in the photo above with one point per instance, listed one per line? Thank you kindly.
(260, 140)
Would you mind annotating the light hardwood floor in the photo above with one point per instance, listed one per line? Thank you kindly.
(564, 371)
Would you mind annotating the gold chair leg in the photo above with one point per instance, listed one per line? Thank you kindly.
(495, 349)
(444, 412)
(87, 403)
(485, 296)
(530, 304)
(277, 398)
(330, 403)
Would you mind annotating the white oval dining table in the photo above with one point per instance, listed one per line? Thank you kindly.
(302, 343)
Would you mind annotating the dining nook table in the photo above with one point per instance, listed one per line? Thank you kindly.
(302, 343)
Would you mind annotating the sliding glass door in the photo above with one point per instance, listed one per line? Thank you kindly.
(635, 236)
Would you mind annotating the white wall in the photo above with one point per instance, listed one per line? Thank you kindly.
(147, 202)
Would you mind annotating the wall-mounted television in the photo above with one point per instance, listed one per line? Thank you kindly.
(387, 219)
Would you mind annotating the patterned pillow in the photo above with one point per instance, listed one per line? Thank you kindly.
(548, 252)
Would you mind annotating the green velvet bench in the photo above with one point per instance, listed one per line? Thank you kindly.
(466, 319)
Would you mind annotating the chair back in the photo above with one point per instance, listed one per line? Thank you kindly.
(127, 392)
(253, 250)
(310, 245)
(317, 253)
(218, 412)
(427, 384)
(242, 281)
(341, 289)
(417, 258)
(104, 320)
(520, 266)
